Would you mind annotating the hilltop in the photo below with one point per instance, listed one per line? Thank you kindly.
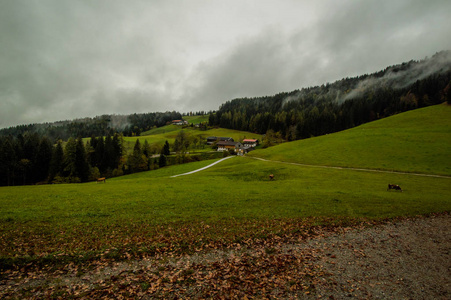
(414, 141)
(298, 114)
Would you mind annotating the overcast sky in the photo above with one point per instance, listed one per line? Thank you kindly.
(70, 59)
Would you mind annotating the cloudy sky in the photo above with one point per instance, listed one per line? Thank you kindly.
(64, 59)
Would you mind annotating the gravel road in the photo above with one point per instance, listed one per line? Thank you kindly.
(400, 260)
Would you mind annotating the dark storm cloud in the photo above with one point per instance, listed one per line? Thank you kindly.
(347, 39)
(69, 59)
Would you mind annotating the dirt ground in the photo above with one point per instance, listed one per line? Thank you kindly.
(402, 259)
(406, 260)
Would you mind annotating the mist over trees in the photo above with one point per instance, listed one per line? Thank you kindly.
(36, 153)
(128, 125)
(343, 104)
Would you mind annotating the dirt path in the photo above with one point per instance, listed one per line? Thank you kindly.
(206, 167)
(350, 168)
(408, 259)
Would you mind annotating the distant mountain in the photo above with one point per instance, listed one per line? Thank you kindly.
(343, 104)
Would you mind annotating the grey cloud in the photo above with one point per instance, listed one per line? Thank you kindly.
(70, 59)
(348, 39)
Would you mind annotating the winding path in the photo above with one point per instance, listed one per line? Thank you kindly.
(206, 167)
(350, 168)
(319, 166)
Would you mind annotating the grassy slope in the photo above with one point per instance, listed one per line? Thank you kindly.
(415, 141)
(170, 132)
(150, 206)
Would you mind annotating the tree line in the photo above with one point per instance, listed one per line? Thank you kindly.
(127, 125)
(343, 104)
(31, 158)
(35, 159)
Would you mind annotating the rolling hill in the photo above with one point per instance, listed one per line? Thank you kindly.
(150, 212)
(415, 141)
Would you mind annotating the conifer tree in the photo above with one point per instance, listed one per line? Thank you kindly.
(81, 163)
(166, 150)
(162, 161)
(70, 158)
(56, 164)
(137, 161)
(43, 159)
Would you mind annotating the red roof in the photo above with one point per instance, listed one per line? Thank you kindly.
(249, 140)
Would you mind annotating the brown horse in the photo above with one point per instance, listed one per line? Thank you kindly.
(394, 187)
(271, 177)
(101, 179)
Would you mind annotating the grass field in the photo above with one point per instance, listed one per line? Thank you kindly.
(415, 141)
(235, 199)
(159, 135)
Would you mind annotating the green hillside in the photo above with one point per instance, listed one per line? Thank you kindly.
(160, 135)
(235, 200)
(414, 141)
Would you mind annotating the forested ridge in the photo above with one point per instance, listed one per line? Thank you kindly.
(128, 125)
(343, 104)
(34, 153)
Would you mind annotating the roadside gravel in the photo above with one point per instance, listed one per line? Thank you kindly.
(399, 259)
(410, 259)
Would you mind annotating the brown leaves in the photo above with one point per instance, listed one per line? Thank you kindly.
(225, 259)
(269, 269)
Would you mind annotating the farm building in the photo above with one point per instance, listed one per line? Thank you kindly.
(179, 122)
(212, 139)
(239, 148)
(250, 143)
(226, 145)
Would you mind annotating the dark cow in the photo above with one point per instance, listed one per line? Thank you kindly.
(271, 177)
(101, 179)
(394, 187)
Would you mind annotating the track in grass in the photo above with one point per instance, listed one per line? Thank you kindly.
(206, 167)
(350, 168)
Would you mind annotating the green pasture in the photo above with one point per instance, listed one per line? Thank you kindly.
(168, 133)
(143, 207)
(196, 119)
(415, 141)
(237, 188)
(235, 200)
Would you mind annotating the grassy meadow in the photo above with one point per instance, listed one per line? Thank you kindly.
(158, 136)
(235, 200)
(414, 141)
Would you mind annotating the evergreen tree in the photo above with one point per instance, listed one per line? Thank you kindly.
(117, 147)
(43, 159)
(137, 161)
(70, 158)
(28, 159)
(166, 150)
(81, 163)
(108, 157)
(92, 156)
(57, 163)
(162, 161)
(7, 158)
(146, 149)
(99, 155)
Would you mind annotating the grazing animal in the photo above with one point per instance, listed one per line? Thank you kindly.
(271, 177)
(101, 179)
(394, 187)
